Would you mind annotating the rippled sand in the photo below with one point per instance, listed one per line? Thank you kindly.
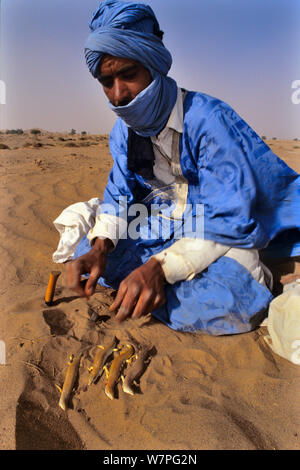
(196, 392)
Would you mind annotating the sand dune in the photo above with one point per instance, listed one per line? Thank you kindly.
(197, 391)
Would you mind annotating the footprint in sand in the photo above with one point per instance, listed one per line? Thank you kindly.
(58, 321)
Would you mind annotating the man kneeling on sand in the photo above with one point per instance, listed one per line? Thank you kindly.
(209, 192)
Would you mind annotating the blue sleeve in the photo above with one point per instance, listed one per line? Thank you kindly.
(249, 194)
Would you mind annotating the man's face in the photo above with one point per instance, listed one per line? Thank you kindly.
(122, 79)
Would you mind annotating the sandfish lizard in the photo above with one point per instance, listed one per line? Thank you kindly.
(100, 358)
(135, 370)
(115, 369)
(70, 378)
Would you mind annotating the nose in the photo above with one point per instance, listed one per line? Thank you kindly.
(121, 94)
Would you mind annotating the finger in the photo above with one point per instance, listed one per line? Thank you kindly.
(122, 314)
(125, 309)
(74, 278)
(144, 304)
(159, 300)
(119, 297)
(129, 301)
(91, 283)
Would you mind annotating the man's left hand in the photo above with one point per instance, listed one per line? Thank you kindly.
(140, 292)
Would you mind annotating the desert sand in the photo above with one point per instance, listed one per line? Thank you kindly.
(196, 392)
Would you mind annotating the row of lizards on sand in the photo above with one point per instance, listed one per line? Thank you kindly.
(125, 354)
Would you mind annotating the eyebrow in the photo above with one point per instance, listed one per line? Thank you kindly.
(125, 69)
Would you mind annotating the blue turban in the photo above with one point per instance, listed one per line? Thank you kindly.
(131, 30)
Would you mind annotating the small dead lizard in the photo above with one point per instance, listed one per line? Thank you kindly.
(114, 373)
(101, 357)
(136, 370)
(70, 378)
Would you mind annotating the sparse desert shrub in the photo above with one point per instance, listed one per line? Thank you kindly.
(71, 144)
(35, 131)
(85, 144)
(83, 133)
(61, 139)
(274, 138)
(263, 137)
(4, 147)
(14, 131)
(73, 132)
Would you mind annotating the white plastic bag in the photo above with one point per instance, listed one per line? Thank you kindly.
(284, 323)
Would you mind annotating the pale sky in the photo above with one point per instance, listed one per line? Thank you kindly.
(245, 52)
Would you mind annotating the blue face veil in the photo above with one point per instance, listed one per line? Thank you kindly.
(130, 30)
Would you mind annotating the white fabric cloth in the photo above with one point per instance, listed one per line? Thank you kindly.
(107, 226)
(74, 222)
(284, 323)
(186, 257)
(190, 256)
(162, 144)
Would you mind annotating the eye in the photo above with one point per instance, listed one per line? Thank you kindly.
(129, 75)
(106, 82)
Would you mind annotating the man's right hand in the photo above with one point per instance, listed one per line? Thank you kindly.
(93, 262)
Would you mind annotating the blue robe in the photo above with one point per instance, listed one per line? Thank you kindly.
(251, 200)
